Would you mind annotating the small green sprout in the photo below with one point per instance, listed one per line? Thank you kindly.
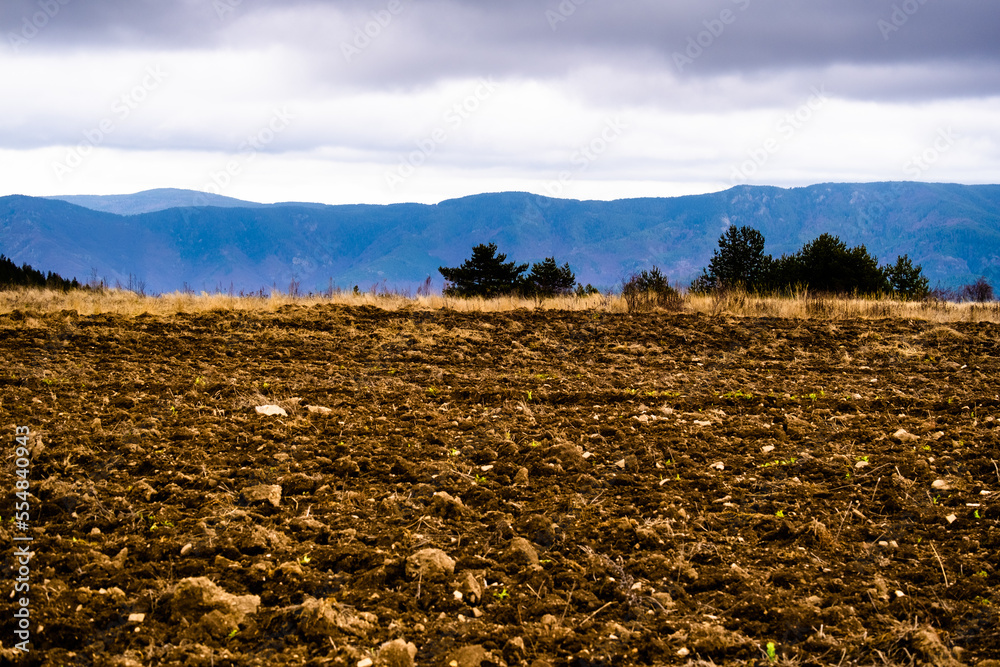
(739, 393)
(305, 560)
(534, 443)
(432, 391)
(234, 632)
(454, 452)
(976, 513)
(529, 395)
(780, 514)
(772, 652)
(502, 595)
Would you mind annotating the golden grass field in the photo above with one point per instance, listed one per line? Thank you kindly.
(801, 305)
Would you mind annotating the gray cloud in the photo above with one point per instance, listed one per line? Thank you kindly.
(702, 84)
(436, 39)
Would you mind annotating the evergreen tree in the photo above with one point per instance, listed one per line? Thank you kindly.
(549, 279)
(11, 275)
(486, 274)
(827, 265)
(905, 280)
(739, 262)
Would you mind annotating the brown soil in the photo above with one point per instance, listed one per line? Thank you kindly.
(605, 489)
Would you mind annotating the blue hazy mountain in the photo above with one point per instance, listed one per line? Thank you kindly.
(151, 201)
(952, 230)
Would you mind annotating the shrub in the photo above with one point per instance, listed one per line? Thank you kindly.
(979, 291)
(648, 290)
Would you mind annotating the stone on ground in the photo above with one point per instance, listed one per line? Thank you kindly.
(430, 564)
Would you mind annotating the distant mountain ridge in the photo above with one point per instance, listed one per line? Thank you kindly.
(152, 201)
(173, 238)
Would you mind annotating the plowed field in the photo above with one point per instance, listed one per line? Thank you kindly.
(536, 488)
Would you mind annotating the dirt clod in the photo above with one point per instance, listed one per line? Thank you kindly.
(521, 552)
(198, 596)
(430, 565)
(397, 653)
(264, 493)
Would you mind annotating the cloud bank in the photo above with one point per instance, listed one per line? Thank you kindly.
(398, 100)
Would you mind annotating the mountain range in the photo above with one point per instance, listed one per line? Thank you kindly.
(171, 239)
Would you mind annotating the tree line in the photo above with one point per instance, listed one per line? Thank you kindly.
(824, 265)
(488, 274)
(12, 275)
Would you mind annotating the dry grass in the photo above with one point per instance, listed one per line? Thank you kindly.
(805, 306)
(802, 306)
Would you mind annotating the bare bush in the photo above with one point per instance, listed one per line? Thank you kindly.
(648, 290)
(979, 291)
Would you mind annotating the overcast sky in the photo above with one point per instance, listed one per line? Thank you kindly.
(381, 101)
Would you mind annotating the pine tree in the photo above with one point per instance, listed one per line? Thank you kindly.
(486, 274)
(827, 265)
(549, 279)
(907, 281)
(11, 275)
(739, 262)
